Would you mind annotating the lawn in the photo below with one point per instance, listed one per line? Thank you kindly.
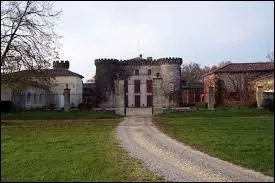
(51, 115)
(243, 136)
(66, 150)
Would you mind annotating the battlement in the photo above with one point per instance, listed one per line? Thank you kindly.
(61, 64)
(106, 61)
(140, 61)
(170, 60)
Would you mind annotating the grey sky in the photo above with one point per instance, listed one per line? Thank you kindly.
(202, 32)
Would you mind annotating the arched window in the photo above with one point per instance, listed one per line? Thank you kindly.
(28, 97)
(35, 98)
(40, 98)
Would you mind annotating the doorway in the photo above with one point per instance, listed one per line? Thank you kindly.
(137, 101)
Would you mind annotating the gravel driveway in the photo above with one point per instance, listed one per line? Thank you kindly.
(174, 160)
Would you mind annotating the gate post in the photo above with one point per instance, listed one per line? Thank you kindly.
(119, 97)
(211, 98)
(157, 96)
(259, 96)
(67, 98)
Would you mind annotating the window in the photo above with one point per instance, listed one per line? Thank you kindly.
(149, 84)
(149, 71)
(40, 99)
(137, 86)
(29, 98)
(35, 98)
(126, 86)
(136, 72)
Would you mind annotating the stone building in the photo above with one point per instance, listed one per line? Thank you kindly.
(264, 87)
(191, 92)
(36, 94)
(138, 74)
(231, 83)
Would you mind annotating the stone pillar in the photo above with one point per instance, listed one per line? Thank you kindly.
(67, 102)
(211, 98)
(119, 97)
(157, 96)
(259, 96)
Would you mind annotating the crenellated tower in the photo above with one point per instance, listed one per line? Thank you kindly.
(107, 70)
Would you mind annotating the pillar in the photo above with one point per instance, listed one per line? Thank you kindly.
(157, 96)
(259, 96)
(211, 98)
(119, 97)
(67, 102)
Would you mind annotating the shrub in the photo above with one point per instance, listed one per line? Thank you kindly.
(52, 106)
(6, 106)
(73, 106)
(199, 105)
(268, 104)
(82, 106)
(253, 104)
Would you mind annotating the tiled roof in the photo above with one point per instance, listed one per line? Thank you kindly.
(245, 67)
(49, 72)
(61, 72)
(267, 76)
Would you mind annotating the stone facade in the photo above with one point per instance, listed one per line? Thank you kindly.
(119, 97)
(35, 95)
(232, 82)
(138, 74)
(5, 93)
(264, 87)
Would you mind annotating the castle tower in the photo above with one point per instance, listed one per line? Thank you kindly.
(61, 64)
(105, 75)
(170, 71)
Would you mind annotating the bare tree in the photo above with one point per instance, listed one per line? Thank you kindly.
(193, 72)
(223, 63)
(237, 84)
(28, 39)
(270, 56)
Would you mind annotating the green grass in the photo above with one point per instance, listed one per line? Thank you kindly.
(51, 115)
(219, 112)
(245, 137)
(66, 150)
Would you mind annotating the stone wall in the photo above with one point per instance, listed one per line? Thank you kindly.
(119, 97)
(5, 93)
(109, 69)
(235, 86)
(74, 83)
(171, 75)
(143, 77)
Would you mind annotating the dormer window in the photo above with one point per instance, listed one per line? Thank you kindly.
(136, 72)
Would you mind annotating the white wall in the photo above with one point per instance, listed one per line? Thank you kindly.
(32, 97)
(74, 83)
(143, 77)
(5, 93)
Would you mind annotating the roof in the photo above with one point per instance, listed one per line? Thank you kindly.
(51, 72)
(61, 72)
(268, 76)
(192, 85)
(245, 67)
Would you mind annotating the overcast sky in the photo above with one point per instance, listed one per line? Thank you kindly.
(202, 32)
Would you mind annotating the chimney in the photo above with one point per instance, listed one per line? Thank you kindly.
(140, 55)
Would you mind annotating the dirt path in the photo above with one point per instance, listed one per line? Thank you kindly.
(174, 160)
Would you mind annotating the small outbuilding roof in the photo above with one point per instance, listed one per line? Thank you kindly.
(244, 67)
